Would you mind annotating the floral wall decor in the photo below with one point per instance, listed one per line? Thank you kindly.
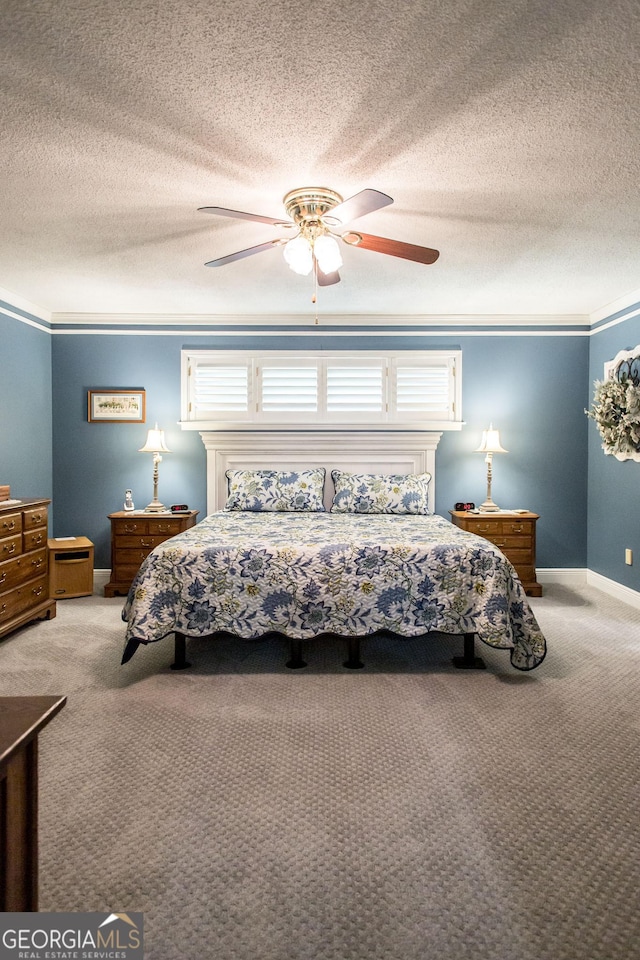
(616, 406)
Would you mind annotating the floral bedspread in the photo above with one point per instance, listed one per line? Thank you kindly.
(304, 574)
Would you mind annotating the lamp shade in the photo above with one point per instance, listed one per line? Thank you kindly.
(297, 253)
(327, 253)
(155, 442)
(490, 442)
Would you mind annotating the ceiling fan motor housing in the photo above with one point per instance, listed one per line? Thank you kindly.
(309, 204)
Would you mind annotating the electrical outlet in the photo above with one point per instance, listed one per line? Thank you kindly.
(628, 557)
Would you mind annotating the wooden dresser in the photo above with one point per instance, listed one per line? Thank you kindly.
(514, 534)
(133, 537)
(24, 582)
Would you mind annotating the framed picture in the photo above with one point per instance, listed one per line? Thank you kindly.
(116, 406)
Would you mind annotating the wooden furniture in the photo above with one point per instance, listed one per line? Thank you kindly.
(513, 533)
(24, 584)
(133, 537)
(21, 720)
(70, 567)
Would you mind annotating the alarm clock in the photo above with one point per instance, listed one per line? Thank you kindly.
(179, 508)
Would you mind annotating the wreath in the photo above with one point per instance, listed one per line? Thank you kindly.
(616, 411)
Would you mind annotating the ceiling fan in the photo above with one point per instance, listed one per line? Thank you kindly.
(317, 215)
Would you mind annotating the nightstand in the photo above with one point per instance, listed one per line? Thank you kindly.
(134, 534)
(513, 533)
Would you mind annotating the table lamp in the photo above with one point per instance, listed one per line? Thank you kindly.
(489, 445)
(155, 444)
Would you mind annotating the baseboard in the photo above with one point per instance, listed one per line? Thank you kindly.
(100, 578)
(578, 576)
(614, 589)
(569, 576)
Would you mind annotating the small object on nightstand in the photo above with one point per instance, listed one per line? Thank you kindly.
(179, 508)
(128, 501)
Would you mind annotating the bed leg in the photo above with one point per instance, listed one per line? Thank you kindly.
(180, 661)
(295, 660)
(469, 661)
(353, 661)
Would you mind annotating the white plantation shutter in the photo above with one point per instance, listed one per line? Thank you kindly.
(289, 388)
(415, 387)
(218, 388)
(355, 388)
(426, 390)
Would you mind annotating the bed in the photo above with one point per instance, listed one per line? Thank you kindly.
(351, 572)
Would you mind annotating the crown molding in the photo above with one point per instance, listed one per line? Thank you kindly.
(238, 321)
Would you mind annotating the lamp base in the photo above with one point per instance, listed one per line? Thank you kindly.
(488, 507)
(155, 507)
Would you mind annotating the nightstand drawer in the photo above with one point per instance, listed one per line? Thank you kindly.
(131, 528)
(517, 557)
(511, 543)
(130, 556)
(143, 542)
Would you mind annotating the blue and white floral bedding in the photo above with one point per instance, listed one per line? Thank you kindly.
(306, 574)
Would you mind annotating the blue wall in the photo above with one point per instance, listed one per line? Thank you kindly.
(533, 388)
(95, 463)
(614, 485)
(25, 409)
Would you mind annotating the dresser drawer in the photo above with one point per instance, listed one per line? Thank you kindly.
(36, 517)
(10, 547)
(32, 539)
(23, 568)
(21, 598)
(10, 523)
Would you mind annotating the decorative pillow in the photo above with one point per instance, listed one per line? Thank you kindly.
(375, 493)
(275, 490)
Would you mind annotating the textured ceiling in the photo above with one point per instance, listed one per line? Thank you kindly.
(507, 132)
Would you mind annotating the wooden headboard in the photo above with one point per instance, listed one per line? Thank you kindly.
(379, 451)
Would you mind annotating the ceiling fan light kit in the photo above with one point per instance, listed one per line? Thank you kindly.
(316, 212)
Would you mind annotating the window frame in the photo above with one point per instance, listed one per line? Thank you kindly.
(388, 417)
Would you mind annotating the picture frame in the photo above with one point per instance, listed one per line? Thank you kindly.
(116, 406)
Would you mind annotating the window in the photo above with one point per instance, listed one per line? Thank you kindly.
(405, 388)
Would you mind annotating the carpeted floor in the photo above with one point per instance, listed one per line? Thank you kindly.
(408, 811)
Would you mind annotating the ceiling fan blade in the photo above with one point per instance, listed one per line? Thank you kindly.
(327, 279)
(239, 215)
(395, 248)
(249, 252)
(357, 206)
